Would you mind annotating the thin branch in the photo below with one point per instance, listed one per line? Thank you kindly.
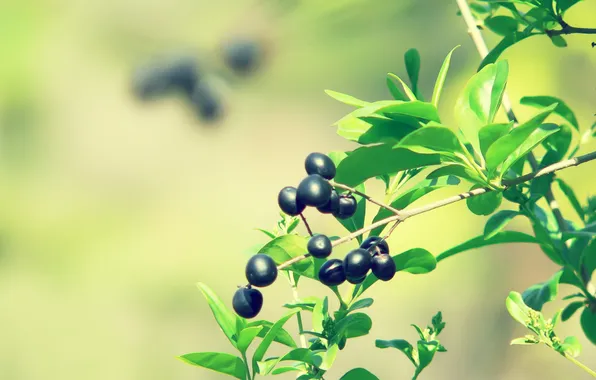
(568, 29)
(306, 224)
(405, 214)
(298, 315)
(365, 196)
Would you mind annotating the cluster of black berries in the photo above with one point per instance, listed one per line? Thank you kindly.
(184, 75)
(315, 191)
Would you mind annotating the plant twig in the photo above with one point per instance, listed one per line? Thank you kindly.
(405, 214)
(306, 224)
(568, 29)
(298, 315)
(365, 196)
(580, 364)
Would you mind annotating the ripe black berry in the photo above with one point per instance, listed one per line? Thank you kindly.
(332, 205)
(288, 203)
(319, 246)
(357, 263)
(318, 163)
(314, 190)
(332, 273)
(380, 245)
(355, 280)
(247, 302)
(206, 101)
(261, 270)
(157, 79)
(242, 56)
(383, 267)
(347, 207)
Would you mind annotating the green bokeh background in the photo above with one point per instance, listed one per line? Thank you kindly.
(113, 209)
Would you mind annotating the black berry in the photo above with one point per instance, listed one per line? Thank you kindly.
(357, 263)
(332, 273)
(247, 302)
(261, 270)
(347, 207)
(332, 205)
(288, 203)
(206, 101)
(242, 56)
(318, 163)
(380, 245)
(314, 190)
(355, 280)
(157, 79)
(319, 246)
(383, 267)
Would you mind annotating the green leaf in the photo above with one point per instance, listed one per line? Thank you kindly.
(319, 314)
(517, 308)
(366, 127)
(372, 161)
(217, 361)
(354, 325)
(490, 133)
(302, 355)
(525, 341)
(588, 258)
(440, 140)
(456, 170)
(440, 82)
(224, 317)
(280, 370)
(561, 109)
(479, 101)
(358, 374)
(246, 336)
(486, 203)
(502, 237)
(571, 309)
(268, 233)
(437, 323)
(497, 222)
(505, 146)
(501, 25)
(401, 344)
(329, 357)
(410, 196)
(347, 99)
(269, 338)
(282, 336)
(394, 90)
(588, 322)
(570, 194)
(507, 41)
(560, 142)
(286, 247)
(361, 304)
(564, 5)
(558, 41)
(409, 94)
(412, 60)
(415, 108)
(426, 353)
(571, 346)
(537, 295)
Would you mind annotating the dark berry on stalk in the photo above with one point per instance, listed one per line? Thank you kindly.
(380, 245)
(383, 267)
(247, 302)
(243, 56)
(261, 270)
(355, 280)
(332, 273)
(318, 163)
(288, 203)
(347, 207)
(314, 190)
(357, 263)
(332, 206)
(159, 78)
(319, 246)
(206, 101)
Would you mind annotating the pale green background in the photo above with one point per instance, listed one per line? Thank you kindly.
(112, 210)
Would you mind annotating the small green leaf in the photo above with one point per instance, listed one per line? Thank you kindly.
(440, 82)
(507, 41)
(571, 309)
(246, 336)
(417, 109)
(268, 233)
(217, 361)
(456, 170)
(394, 90)
(410, 95)
(558, 41)
(224, 317)
(358, 374)
(560, 142)
(437, 323)
(505, 146)
(372, 161)
(428, 140)
(401, 344)
(319, 314)
(491, 133)
(501, 25)
(564, 5)
(361, 304)
(502, 237)
(561, 108)
(347, 99)
(269, 338)
(479, 101)
(364, 126)
(570, 194)
(517, 308)
(588, 322)
(537, 295)
(497, 222)
(588, 258)
(354, 325)
(412, 60)
(484, 204)
(426, 353)
(571, 346)
(286, 247)
(282, 336)
(329, 357)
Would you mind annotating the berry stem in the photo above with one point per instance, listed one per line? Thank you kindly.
(298, 315)
(405, 214)
(365, 196)
(306, 224)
